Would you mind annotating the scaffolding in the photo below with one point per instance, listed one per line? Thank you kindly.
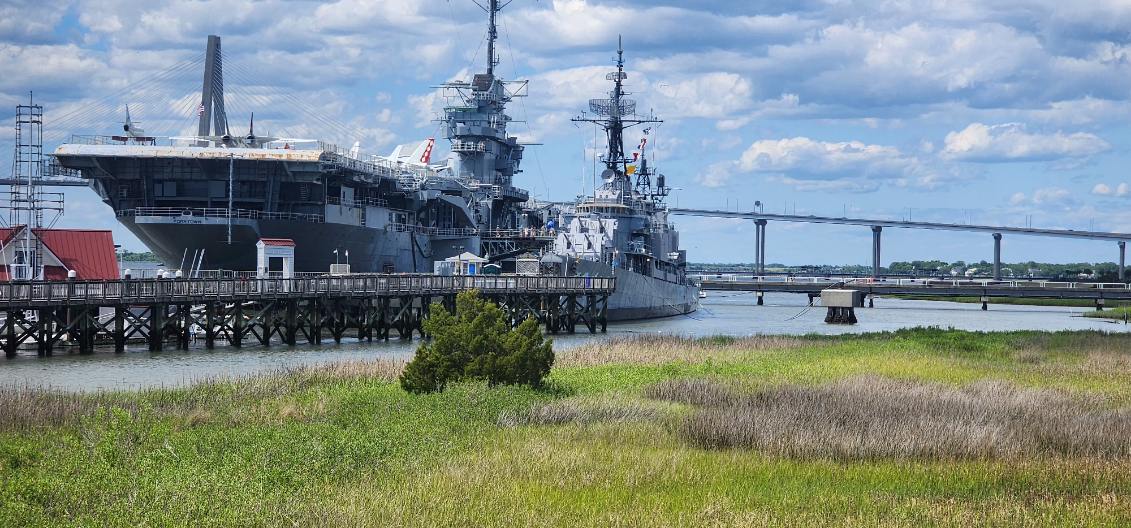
(29, 207)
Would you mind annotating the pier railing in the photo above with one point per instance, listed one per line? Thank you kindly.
(143, 291)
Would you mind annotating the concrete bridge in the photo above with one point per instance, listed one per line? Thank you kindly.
(984, 289)
(761, 220)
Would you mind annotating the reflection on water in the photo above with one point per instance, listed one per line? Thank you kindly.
(722, 313)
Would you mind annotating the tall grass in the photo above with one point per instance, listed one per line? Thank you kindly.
(660, 349)
(26, 408)
(870, 417)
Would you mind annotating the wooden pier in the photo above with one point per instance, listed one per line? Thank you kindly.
(52, 315)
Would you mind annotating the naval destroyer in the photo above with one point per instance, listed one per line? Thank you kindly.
(622, 229)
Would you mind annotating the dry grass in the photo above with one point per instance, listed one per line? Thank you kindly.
(24, 408)
(607, 410)
(870, 417)
(660, 349)
(693, 391)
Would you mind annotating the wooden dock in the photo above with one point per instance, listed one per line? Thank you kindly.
(51, 315)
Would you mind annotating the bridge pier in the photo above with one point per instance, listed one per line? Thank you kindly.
(997, 256)
(759, 247)
(876, 231)
(1122, 261)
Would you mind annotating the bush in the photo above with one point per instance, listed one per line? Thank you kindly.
(477, 343)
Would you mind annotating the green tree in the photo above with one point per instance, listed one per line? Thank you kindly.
(477, 343)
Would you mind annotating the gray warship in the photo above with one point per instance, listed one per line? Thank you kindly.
(623, 230)
(214, 195)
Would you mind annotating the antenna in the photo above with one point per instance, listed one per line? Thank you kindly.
(492, 8)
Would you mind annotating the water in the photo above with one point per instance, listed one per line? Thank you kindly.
(722, 313)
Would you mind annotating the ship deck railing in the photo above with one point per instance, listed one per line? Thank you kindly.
(216, 212)
(363, 202)
(15, 295)
(433, 231)
(528, 233)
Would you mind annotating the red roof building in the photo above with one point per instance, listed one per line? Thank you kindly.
(90, 253)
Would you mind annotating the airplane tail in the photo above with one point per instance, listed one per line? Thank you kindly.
(423, 152)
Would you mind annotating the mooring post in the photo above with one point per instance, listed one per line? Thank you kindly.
(291, 330)
(876, 230)
(86, 330)
(10, 344)
(1100, 304)
(997, 256)
(156, 327)
(119, 329)
(760, 299)
(985, 303)
(236, 337)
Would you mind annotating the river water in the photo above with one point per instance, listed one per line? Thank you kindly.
(724, 313)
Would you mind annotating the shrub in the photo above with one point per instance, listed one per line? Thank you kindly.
(477, 343)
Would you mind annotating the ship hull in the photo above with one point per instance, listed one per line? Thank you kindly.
(370, 250)
(642, 297)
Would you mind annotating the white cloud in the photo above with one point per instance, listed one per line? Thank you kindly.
(1044, 197)
(1120, 190)
(1011, 142)
(807, 158)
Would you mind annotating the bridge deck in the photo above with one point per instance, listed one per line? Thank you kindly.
(927, 287)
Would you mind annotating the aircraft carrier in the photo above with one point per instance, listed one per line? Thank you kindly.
(214, 195)
(204, 201)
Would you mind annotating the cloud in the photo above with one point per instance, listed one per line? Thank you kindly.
(1045, 196)
(1120, 190)
(810, 159)
(1011, 142)
(811, 165)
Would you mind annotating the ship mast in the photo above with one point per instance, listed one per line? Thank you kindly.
(614, 115)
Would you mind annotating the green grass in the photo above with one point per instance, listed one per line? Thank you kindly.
(354, 450)
(1118, 313)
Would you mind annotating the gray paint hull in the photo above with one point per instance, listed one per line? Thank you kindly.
(641, 297)
(370, 250)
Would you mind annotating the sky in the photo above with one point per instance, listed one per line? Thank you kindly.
(1004, 112)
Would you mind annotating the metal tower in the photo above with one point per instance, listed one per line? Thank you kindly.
(28, 205)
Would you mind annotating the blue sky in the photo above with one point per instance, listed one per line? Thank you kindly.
(1004, 112)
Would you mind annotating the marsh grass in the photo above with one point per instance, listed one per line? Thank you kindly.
(601, 445)
(579, 411)
(661, 349)
(870, 417)
(25, 408)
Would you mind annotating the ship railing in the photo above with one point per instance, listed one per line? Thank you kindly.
(214, 212)
(432, 231)
(142, 291)
(540, 234)
(364, 202)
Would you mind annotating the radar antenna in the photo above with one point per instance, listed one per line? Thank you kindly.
(492, 8)
(614, 114)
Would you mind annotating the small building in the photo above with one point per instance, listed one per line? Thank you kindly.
(87, 252)
(466, 263)
(275, 257)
